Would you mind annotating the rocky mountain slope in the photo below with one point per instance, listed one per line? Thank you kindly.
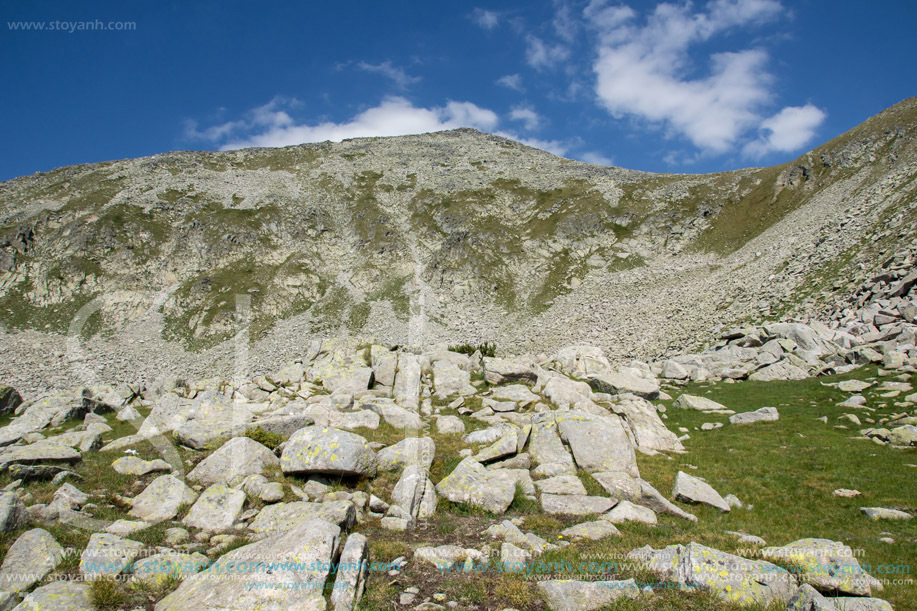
(454, 236)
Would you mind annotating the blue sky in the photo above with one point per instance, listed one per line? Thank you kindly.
(675, 87)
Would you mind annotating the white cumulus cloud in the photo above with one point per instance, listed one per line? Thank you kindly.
(485, 19)
(541, 55)
(597, 158)
(398, 75)
(787, 131)
(646, 70)
(511, 81)
(270, 125)
(527, 115)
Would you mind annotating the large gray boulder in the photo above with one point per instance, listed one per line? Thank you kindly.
(236, 459)
(131, 465)
(409, 451)
(327, 451)
(161, 499)
(572, 595)
(13, 512)
(624, 380)
(59, 595)
(732, 578)
(217, 508)
(598, 443)
(546, 449)
(828, 566)
(284, 517)
(765, 414)
(472, 484)
(384, 363)
(394, 414)
(415, 493)
(42, 452)
(575, 504)
(781, 370)
(407, 381)
(449, 379)
(29, 560)
(302, 556)
(690, 489)
(501, 370)
(700, 403)
(649, 432)
(350, 578)
(108, 555)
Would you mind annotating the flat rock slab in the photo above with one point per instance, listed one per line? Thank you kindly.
(131, 465)
(162, 499)
(625, 511)
(125, 528)
(327, 451)
(571, 595)
(575, 504)
(39, 453)
(702, 404)
(765, 414)
(690, 489)
(732, 578)
(881, 513)
(157, 568)
(235, 460)
(59, 595)
(616, 382)
(303, 556)
(561, 484)
(29, 560)
(108, 555)
(471, 483)
(826, 565)
(217, 508)
(409, 451)
(284, 517)
(854, 385)
(595, 530)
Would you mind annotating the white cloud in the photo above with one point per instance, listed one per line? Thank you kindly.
(401, 78)
(564, 23)
(540, 55)
(788, 130)
(597, 158)
(485, 19)
(511, 81)
(527, 115)
(555, 147)
(269, 125)
(641, 69)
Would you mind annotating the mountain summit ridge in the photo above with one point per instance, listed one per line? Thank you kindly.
(450, 236)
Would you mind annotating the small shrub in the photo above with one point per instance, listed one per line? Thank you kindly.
(265, 438)
(487, 349)
(107, 592)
